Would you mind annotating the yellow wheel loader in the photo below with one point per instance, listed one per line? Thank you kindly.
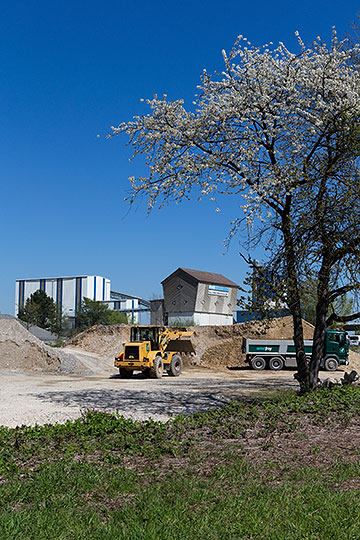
(154, 350)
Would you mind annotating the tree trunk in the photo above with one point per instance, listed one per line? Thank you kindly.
(303, 374)
(320, 325)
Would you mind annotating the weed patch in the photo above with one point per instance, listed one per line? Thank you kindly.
(284, 468)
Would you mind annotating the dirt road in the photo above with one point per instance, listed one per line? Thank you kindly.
(46, 398)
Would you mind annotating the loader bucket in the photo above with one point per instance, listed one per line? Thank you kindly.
(180, 345)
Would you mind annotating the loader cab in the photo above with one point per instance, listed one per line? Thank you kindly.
(146, 333)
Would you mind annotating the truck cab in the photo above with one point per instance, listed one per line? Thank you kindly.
(337, 345)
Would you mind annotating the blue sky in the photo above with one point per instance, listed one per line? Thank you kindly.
(70, 70)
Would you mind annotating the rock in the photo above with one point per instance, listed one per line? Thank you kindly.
(350, 378)
(331, 382)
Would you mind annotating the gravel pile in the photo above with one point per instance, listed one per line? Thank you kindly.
(104, 340)
(354, 359)
(20, 350)
(220, 346)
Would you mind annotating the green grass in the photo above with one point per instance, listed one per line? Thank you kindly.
(209, 476)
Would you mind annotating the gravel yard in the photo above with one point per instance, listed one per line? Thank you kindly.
(43, 385)
(30, 398)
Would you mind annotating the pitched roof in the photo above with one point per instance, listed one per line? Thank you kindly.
(204, 277)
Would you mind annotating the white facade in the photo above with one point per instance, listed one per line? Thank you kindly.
(67, 292)
(137, 309)
(128, 306)
(200, 319)
(124, 304)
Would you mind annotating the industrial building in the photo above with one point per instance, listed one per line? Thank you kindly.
(190, 296)
(137, 308)
(69, 292)
(203, 298)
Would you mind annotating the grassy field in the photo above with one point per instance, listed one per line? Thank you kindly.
(284, 468)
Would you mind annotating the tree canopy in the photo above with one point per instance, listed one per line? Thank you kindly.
(279, 130)
(342, 305)
(39, 310)
(92, 312)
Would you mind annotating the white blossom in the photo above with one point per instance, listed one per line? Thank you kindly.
(257, 131)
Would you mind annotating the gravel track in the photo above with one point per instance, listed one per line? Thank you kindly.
(43, 385)
(33, 398)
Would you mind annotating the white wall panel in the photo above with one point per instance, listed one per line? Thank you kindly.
(50, 288)
(210, 319)
(68, 299)
(74, 289)
(98, 292)
(107, 289)
(17, 292)
(30, 288)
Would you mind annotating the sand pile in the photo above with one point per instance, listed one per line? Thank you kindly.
(216, 346)
(354, 359)
(220, 346)
(103, 340)
(20, 350)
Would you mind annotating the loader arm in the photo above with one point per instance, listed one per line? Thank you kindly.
(177, 341)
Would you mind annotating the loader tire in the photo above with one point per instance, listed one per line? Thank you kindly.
(158, 367)
(126, 373)
(176, 365)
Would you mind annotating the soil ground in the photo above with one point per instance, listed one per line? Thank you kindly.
(43, 385)
(41, 398)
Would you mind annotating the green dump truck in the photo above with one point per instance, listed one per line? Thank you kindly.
(278, 353)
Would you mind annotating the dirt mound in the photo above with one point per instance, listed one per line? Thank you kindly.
(20, 350)
(220, 346)
(354, 359)
(216, 346)
(104, 340)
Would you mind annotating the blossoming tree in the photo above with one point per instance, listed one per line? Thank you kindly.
(279, 131)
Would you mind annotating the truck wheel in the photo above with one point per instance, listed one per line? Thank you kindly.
(126, 373)
(258, 363)
(331, 364)
(158, 367)
(176, 365)
(276, 363)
